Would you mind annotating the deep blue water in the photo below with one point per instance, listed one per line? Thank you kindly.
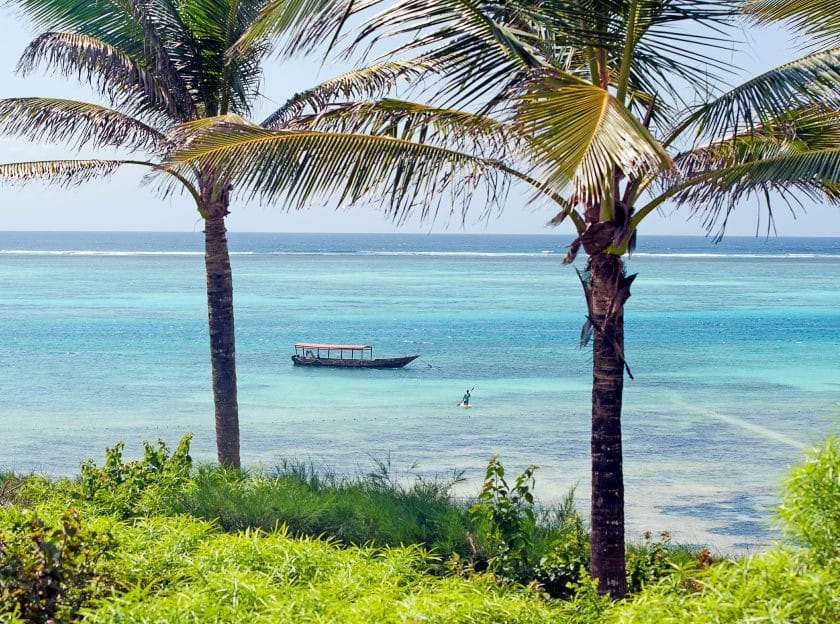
(735, 349)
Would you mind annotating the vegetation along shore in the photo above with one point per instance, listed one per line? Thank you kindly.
(161, 540)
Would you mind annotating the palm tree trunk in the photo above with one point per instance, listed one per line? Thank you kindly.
(222, 344)
(608, 291)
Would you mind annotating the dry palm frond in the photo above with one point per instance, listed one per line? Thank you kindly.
(125, 82)
(60, 172)
(372, 82)
(76, 123)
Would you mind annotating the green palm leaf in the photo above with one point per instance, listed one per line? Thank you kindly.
(131, 27)
(583, 135)
(303, 166)
(792, 174)
(303, 24)
(477, 53)
(812, 80)
(817, 18)
(76, 123)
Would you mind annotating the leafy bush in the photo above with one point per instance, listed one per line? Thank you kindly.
(649, 562)
(564, 570)
(810, 510)
(47, 572)
(128, 488)
(506, 520)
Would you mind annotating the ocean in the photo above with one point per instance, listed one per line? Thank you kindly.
(735, 350)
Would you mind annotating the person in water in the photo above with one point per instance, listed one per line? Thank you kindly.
(466, 400)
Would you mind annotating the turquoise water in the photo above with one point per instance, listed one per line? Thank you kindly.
(735, 351)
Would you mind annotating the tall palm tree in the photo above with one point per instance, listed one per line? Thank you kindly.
(163, 66)
(581, 100)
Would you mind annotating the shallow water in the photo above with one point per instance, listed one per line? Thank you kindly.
(735, 351)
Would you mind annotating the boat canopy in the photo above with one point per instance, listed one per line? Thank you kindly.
(314, 345)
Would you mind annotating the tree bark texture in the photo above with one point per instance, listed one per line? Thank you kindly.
(608, 290)
(222, 343)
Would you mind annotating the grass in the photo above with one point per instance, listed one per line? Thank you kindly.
(372, 508)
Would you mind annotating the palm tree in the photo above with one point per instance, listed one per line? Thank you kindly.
(581, 100)
(163, 66)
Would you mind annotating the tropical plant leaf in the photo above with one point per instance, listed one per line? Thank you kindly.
(303, 166)
(816, 18)
(810, 81)
(462, 39)
(409, 121)
(582, 135)
(712, 196)
(126, 83)
(303, 24)
(372, 82)
(76, 123)
(61, 172)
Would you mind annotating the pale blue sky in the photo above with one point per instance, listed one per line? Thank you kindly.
(122, 204)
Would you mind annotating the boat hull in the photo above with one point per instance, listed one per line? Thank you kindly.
(397, 362)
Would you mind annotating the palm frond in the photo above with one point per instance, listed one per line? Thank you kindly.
(124, 81)
(663, 39)
(372, 82)
(302, 25)
(816, 18)
(582, 135)
(476, 52)
(453, 129)
(76, 123)
(61, 172)
(810, 81)
(299, 167)
(126, 26)
(712, 196)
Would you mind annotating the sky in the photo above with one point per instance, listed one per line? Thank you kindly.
(121, 203)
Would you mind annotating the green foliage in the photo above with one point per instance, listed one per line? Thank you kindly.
(505, 516)
(184, 570)
(648, 562)
(375, 507)
(129, 488)
(563, 572)
(47, 570)
(811, 504)
(777, 586)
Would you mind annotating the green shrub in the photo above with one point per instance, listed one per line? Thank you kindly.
(47, 571)
(649, 561)
(564, 570)
(506, 520)
(128, 488)
(181, 570)
(810, 510)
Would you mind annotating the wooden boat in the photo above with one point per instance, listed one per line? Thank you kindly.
(344, 356)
